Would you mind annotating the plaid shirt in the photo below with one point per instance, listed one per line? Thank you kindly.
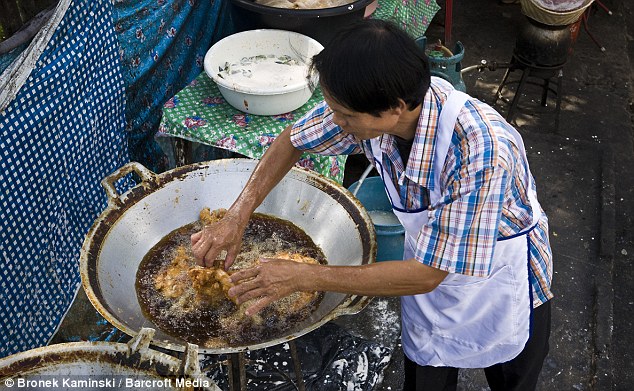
(483, 185)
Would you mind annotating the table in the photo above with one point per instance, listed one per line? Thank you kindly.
(199, 113)
(413, 15)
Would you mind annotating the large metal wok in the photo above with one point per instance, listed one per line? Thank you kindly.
(103, 365)
(135, 221)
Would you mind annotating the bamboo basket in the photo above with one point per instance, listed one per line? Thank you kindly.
(543, 15)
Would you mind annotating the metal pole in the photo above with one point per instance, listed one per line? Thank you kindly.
(299, 378)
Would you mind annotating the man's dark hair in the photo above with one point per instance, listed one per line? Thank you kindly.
(370, 64)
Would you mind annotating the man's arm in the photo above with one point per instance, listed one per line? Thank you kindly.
(227, 233)
(274, 279)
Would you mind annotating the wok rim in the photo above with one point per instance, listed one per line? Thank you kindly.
(310, 13)
(116, 208)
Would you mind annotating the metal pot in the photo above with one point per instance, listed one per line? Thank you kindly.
(320, 24)
(542, 45)
(105, 365)
(135, 221)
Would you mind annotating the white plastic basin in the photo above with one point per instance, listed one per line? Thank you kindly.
(253, 72)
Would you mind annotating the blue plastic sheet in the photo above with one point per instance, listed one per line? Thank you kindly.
(58, 138)
(163, 44)
(92, 102)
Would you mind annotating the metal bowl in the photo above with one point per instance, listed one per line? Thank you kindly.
(103, 365)
(135, 221)
(263, 93)
(321, 24)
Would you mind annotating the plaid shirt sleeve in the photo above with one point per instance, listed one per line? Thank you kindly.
(316, 133)
(460, 236)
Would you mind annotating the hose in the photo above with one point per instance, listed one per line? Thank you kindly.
(363, 176)
(484, 64)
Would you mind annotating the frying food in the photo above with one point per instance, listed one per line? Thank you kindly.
(208, 216)
(191, 301)
(212, 284)
(209, 284)
(173, 281)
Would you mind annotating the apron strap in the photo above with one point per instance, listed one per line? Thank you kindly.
(446, 125)
(390, 189)
(532, 196)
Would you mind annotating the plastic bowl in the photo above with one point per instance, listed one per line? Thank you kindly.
(264, 93)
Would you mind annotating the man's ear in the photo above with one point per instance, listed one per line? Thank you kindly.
(400, 109)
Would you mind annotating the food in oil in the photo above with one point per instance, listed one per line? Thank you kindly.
(190, 301)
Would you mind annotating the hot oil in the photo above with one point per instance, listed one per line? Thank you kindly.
(221, 323)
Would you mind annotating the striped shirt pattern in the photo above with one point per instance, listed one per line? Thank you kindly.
(483, 185)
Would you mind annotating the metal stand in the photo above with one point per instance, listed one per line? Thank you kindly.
(448, 21)
(584, 19)
(532, 71)
(182, 151)
(236, 364)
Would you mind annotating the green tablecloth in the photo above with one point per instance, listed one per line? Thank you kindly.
(199, 113)
(413, 16)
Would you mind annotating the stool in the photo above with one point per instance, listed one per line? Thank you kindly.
(532, 71)
(584, 18)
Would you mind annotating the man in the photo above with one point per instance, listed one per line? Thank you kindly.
(476, 272)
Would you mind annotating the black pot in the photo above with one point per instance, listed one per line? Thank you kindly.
(320, 24)
(543, 45)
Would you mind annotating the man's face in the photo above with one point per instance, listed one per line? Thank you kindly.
(363, 126)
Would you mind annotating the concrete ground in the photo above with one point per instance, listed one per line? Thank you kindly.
(585, 186)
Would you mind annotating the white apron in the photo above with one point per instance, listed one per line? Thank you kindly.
(466, 322)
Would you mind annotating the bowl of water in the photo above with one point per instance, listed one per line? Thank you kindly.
(263, 72)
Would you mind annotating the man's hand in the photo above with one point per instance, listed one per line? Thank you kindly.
(274, 279)
(269, 281)
(209, 243)
(227, 233)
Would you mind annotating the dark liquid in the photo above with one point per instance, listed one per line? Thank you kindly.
(203, 324)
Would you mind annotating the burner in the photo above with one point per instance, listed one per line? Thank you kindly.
(540, 52)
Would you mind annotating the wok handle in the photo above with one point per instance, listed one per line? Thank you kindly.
(141, 342)
(354, 305)
(190, 366)
(108, 182)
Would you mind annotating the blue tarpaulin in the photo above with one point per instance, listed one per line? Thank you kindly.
(81, 100)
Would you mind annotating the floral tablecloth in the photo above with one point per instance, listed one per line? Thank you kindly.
(199, 113)
(413, 16)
